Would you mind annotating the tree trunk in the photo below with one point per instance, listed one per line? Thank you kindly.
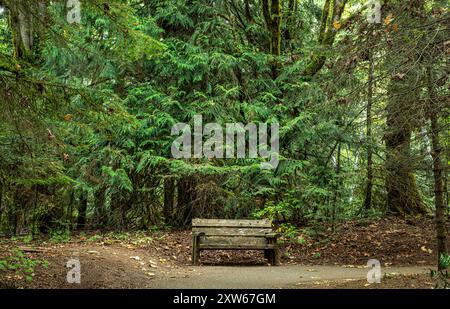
(21, 21)
(440, 207)
(292, 6)
(369, 182)
(100, 211)
(185, 201)
(272, 12)
(403, 196)
(169, 196)
(331, 13)
(337, 187)
(81, 221)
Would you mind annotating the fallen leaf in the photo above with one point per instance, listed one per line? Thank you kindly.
(388, 19)
(68, 117)
(425, 249)
(336, 25)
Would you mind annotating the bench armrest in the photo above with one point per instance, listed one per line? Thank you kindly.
(272, 235)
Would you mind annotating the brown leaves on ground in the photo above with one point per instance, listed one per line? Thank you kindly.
(392, 241)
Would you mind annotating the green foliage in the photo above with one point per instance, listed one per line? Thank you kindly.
(94, 238)
(21, 264)
(316, 255)
(60, 236)
(442, 276)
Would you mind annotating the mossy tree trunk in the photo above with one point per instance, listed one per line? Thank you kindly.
(21, 22)
(330, 23)
(402, 110)
(272, 11)
(290, 17)
(403, 196)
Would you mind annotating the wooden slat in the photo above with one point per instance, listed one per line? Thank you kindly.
(232, 231)
(236, 247)
(224, 240)
(230, 223)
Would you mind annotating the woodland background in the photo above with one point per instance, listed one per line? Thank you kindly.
(87, 109)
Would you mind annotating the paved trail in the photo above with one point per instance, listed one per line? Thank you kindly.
(260, 277)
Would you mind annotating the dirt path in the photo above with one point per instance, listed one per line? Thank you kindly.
(115, 266)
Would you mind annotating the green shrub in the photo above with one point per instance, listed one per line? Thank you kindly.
(442, 276)
(22, 265)
(60, 236)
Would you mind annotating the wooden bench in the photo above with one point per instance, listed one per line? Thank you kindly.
(221, 234)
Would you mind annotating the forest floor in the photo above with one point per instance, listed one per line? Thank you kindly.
(161, 259)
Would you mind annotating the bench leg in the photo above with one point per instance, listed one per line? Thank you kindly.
(272, 257)
(195, 250)
(275, 258)
(272, 254)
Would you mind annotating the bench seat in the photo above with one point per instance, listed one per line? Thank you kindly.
(222, 234)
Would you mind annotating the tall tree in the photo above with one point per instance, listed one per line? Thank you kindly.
(403, 195)
(272, 12)
(330, 24)
(370, 87)
(439, 200)
(22, 26)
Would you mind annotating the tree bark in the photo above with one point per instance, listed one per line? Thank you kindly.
(21, 22)
(185, 201)
(337, 187)
(332, 12)
(169, 199)
(272, 12)
(290, 17)
(81, 220)
(403, 196)
(440, 207)
(369, 182)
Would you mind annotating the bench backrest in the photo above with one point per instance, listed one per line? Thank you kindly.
(224, 227)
